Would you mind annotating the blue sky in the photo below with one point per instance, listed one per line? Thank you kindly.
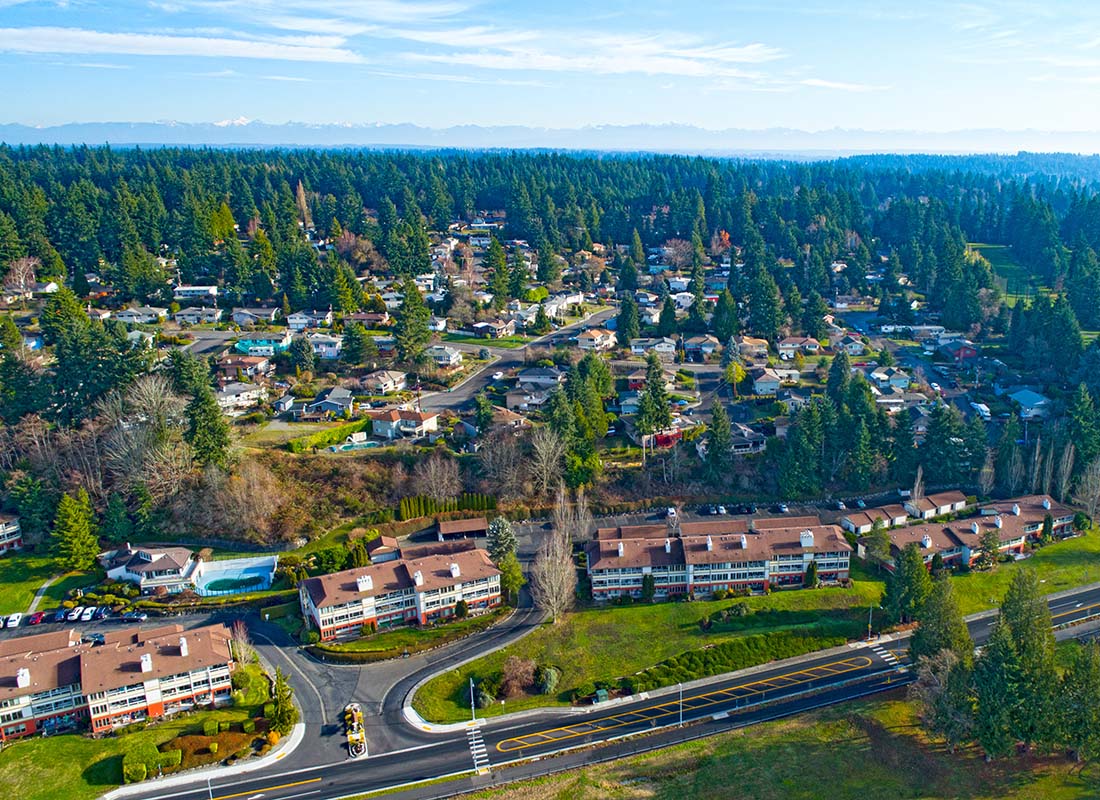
(874, 65)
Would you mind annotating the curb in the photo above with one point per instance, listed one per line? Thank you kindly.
(285, 748)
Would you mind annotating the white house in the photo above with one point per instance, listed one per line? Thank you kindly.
(197, 315)
(142, 315)
(325, 346)
(664, 347)
(797, 344)
(890, 378)
(300, 320)
(766, 381)
(444, 356)
(1032, 404)
(596, 339)
(236, 397)
(201, 293)
(385, 381)
(253, 316)
(750, 347)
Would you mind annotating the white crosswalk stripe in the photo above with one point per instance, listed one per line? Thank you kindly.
(885, 654)
(477, 749)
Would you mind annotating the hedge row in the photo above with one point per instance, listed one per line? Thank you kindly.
(736, 654)
(420, 506)
(324, 438)
(147, 761)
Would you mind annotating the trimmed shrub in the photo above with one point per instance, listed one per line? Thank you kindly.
(210, 727)
(223, 726)
(268, 710)
(213, 748)
(171, 758)
(324, 438)
(133, 772)
(546, 681)
(248, 726)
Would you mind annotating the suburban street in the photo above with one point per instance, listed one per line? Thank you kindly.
(489, 751)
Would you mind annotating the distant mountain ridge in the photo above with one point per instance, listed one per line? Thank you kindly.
(667, 138)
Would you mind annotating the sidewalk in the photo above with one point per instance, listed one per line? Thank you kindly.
(41, 593)
(282, 750)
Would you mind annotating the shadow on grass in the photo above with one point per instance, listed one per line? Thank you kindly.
(105, 772)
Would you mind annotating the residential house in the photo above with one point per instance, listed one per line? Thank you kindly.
(370, 319)
(920, 416)
(890, 378)
(547, 377)
(1032, 404)
(851, 345)
(936, 505)
(664, 347)
(701, 345)
(263, 344)
(635, 381)
(862, 522)
(462, 528)
(284, 404)
(399, 591)
(44, 287)
(444, 356)
(325, 346)
(495, 329)
(11, 535)
(201, 294)
(645, 299)
(336, 401)
(234, 398)
(749, 347)
(385, 381)
(525, 397)
(300, 320)
(704, 557)
(98, 314)
(403, 423)
(797, 344)
(437, 324)
(254, 316)
(197, 315)
(961, 351)
(141, 339)
(393, 300)
(233, 367)
(596, 339)
(154, 568)
(142, 315)
(765, 381)
(745, 442)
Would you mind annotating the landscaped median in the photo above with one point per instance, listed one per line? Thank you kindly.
(401, 641)
(641, 647)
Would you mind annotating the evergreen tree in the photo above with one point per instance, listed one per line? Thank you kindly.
(116, 526)
(996, 683)
(511, 576)
(908, 586)
(11, 340)
(300, 354)
(496, 265)
(876, 544)
(411, 333)
(666, 323)
(483, 412)
(724, 323)
(74, 541)
(207, 432)
(1079, 704)
(765, 306)
(285, 714)
(1026, 615)
(720, 443)
(356, 344)
(628, 326)
(941, 626)
(840, 374)
(502, 539)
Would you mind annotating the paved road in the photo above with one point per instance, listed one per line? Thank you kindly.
(486, 751)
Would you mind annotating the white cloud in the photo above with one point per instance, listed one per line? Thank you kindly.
(819, 83)
(449, 77)
(287, 78)
(80, 40)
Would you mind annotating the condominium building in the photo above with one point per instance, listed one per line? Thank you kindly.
(413, 588)
(11, 535)
(54, 682)
(709, 556)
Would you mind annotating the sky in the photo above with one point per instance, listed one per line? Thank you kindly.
(929, 66)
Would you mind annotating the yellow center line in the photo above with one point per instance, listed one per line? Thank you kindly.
(654, 712)
(268, 789)
(1076, 610)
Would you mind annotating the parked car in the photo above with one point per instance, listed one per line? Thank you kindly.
(780, 508)
(838, 505)
(670, 512)
(860, 503)
(722, 510)
(498, 376)
(101, 612)
(134, 616)
(93, 638)
(14, 620)
(89, 612)
(75, 614)
(60, 615)
(36, 617)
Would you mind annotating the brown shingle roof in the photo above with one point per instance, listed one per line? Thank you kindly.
(118, 664)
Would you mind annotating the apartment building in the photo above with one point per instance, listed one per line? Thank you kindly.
(703, 557)
(416, 588)
(54, 682)
(11, 535)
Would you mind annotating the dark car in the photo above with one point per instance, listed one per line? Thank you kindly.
(779, 508)
(101, 613)
(135, 616)
(93, 638)
(60, 615)
(837, 505)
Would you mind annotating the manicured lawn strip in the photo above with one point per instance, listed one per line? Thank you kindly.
(22, 574)
(602, 644)
(392, 643)
(866, 750)
(508, 342)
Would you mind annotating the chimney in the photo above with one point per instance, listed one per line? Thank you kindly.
(806, 539)
(620, 549)
(668, 546)
(146, 662)
(456, 572)
(183, 646)
(364, 583)
(1000, 523)
(1016, 509)
(23, 678)
(1046, 503)
(974, 527)
(744, 542)
(710, 544)
(926, 541)
(418, 578)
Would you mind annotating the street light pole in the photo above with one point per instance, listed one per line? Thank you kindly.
(681, 687)
(473, 701)
(870, 611)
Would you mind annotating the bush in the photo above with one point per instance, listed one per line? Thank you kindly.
(210, 727)
(547, 679)
(213, 747)
(268, 710)
(248, 726)
(304, 444)
(171, 758)
(462, 610)
(133, 772)
(586, 689)
(223, 726)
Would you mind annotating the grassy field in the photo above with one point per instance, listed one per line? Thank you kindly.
(392, 643)
(869, 750)
(1014, 279)
(21, 575)
(78, 768)
(277, 432)
(607, 643)
(507, 342)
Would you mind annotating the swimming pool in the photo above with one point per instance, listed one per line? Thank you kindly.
(236, 575)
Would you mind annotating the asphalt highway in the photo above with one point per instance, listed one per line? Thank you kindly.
(489, 751)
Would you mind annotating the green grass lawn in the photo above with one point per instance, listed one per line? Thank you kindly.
(609, 642)
(277, 432)
(867, 750)
(391, 643)
(506, 342)
(79, 768)
(1014, 279)
(21, 575)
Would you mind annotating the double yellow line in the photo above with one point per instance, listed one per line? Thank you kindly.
(252, 792)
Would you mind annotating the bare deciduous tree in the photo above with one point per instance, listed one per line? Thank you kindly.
(943, 709)
(547, 452)
(553, 575)
(573, 519)
(1088, 489)
(1016, 470)
(1048, 469)
(21, 276)
(1065, 471)
(987, 477)
(242, 644)
(918, 485)
(437, 477)
(1036, 466)
(143, 436)
(518, 674)
(501, 463)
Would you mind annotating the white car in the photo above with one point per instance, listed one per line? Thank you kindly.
(89, 612)
(935, 387)
(498, 376)
(671, 513)
(74, 615)
(14, 620)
